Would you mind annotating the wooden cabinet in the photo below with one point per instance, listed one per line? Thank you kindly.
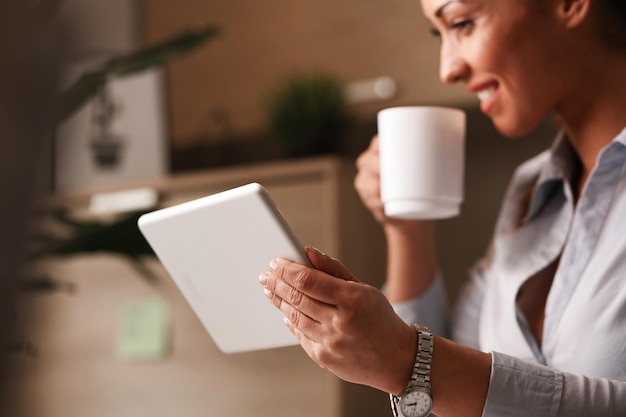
(78, 372)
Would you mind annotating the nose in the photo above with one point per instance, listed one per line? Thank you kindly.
(452, 67)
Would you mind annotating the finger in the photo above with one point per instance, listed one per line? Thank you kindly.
(366, 169)
(325, 263)
(375, 144)
(294, 317)
(313, 283)
(368, 187)
(303, 337)
(294, 303)
(369, 161)
(310, 346)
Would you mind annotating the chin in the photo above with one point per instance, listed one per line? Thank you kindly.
(514, 129)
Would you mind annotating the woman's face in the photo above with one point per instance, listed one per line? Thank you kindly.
(510, 53)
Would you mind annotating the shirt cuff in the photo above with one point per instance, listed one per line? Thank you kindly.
(428, 309)
(518, 388)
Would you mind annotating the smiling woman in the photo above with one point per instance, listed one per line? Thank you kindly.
(477, 43)
(539, 328)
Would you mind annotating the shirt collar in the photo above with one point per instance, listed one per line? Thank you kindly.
(621, 137)
(558, 169)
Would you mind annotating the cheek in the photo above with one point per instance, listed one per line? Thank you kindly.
(528, 91)
(522, 108)
(489, 51)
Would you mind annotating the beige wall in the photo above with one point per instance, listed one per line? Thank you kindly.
(262, 41)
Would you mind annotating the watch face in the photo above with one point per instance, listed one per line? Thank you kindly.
(416, 403)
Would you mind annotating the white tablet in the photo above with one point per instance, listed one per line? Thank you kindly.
(214, 248)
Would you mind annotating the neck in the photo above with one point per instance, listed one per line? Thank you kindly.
(596, 112)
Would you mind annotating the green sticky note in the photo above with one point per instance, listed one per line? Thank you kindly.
(144, 332)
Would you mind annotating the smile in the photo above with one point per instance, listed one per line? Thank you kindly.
(486, 94)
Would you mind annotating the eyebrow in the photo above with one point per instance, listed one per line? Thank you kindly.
(439, 11)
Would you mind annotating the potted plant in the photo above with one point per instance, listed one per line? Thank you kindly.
(309, 114)
(121, 235)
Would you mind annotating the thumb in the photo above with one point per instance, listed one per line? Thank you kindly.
(325, 263)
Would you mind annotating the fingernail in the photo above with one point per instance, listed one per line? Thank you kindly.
(268, 293)
(273, 264)
(311, 248)
(263, 278)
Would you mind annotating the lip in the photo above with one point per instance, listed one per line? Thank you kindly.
(486, 105)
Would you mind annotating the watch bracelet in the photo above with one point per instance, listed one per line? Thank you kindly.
(422, 366)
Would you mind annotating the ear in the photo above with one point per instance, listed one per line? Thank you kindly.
(574, 12)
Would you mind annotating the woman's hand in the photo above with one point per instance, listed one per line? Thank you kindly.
(367, 180)
(343, 324)
(367, 185)
(411, 253)
(349, 328)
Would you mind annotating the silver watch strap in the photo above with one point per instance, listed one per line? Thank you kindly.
(395, 402)
(423, 358)
(421, 369)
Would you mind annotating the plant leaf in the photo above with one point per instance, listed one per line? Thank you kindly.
(158, 54)
(90, 83)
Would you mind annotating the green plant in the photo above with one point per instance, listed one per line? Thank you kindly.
(309, 114)
(120, 236)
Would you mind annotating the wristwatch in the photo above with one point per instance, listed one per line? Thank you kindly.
(416, 400)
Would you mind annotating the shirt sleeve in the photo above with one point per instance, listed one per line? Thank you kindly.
(518, 388)
(429, 309)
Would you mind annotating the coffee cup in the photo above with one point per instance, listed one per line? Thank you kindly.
(422, 152)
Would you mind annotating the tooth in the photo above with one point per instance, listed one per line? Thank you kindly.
(485, 94)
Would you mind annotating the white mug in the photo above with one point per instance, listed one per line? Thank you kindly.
(422, 161)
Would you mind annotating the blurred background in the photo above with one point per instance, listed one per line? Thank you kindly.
(161, 102)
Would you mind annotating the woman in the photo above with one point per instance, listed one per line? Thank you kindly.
(548, 301)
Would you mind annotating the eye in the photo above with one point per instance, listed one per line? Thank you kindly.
(435, 32)
(462, 25)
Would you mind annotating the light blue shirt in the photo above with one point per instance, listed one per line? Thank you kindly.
(580, 368)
